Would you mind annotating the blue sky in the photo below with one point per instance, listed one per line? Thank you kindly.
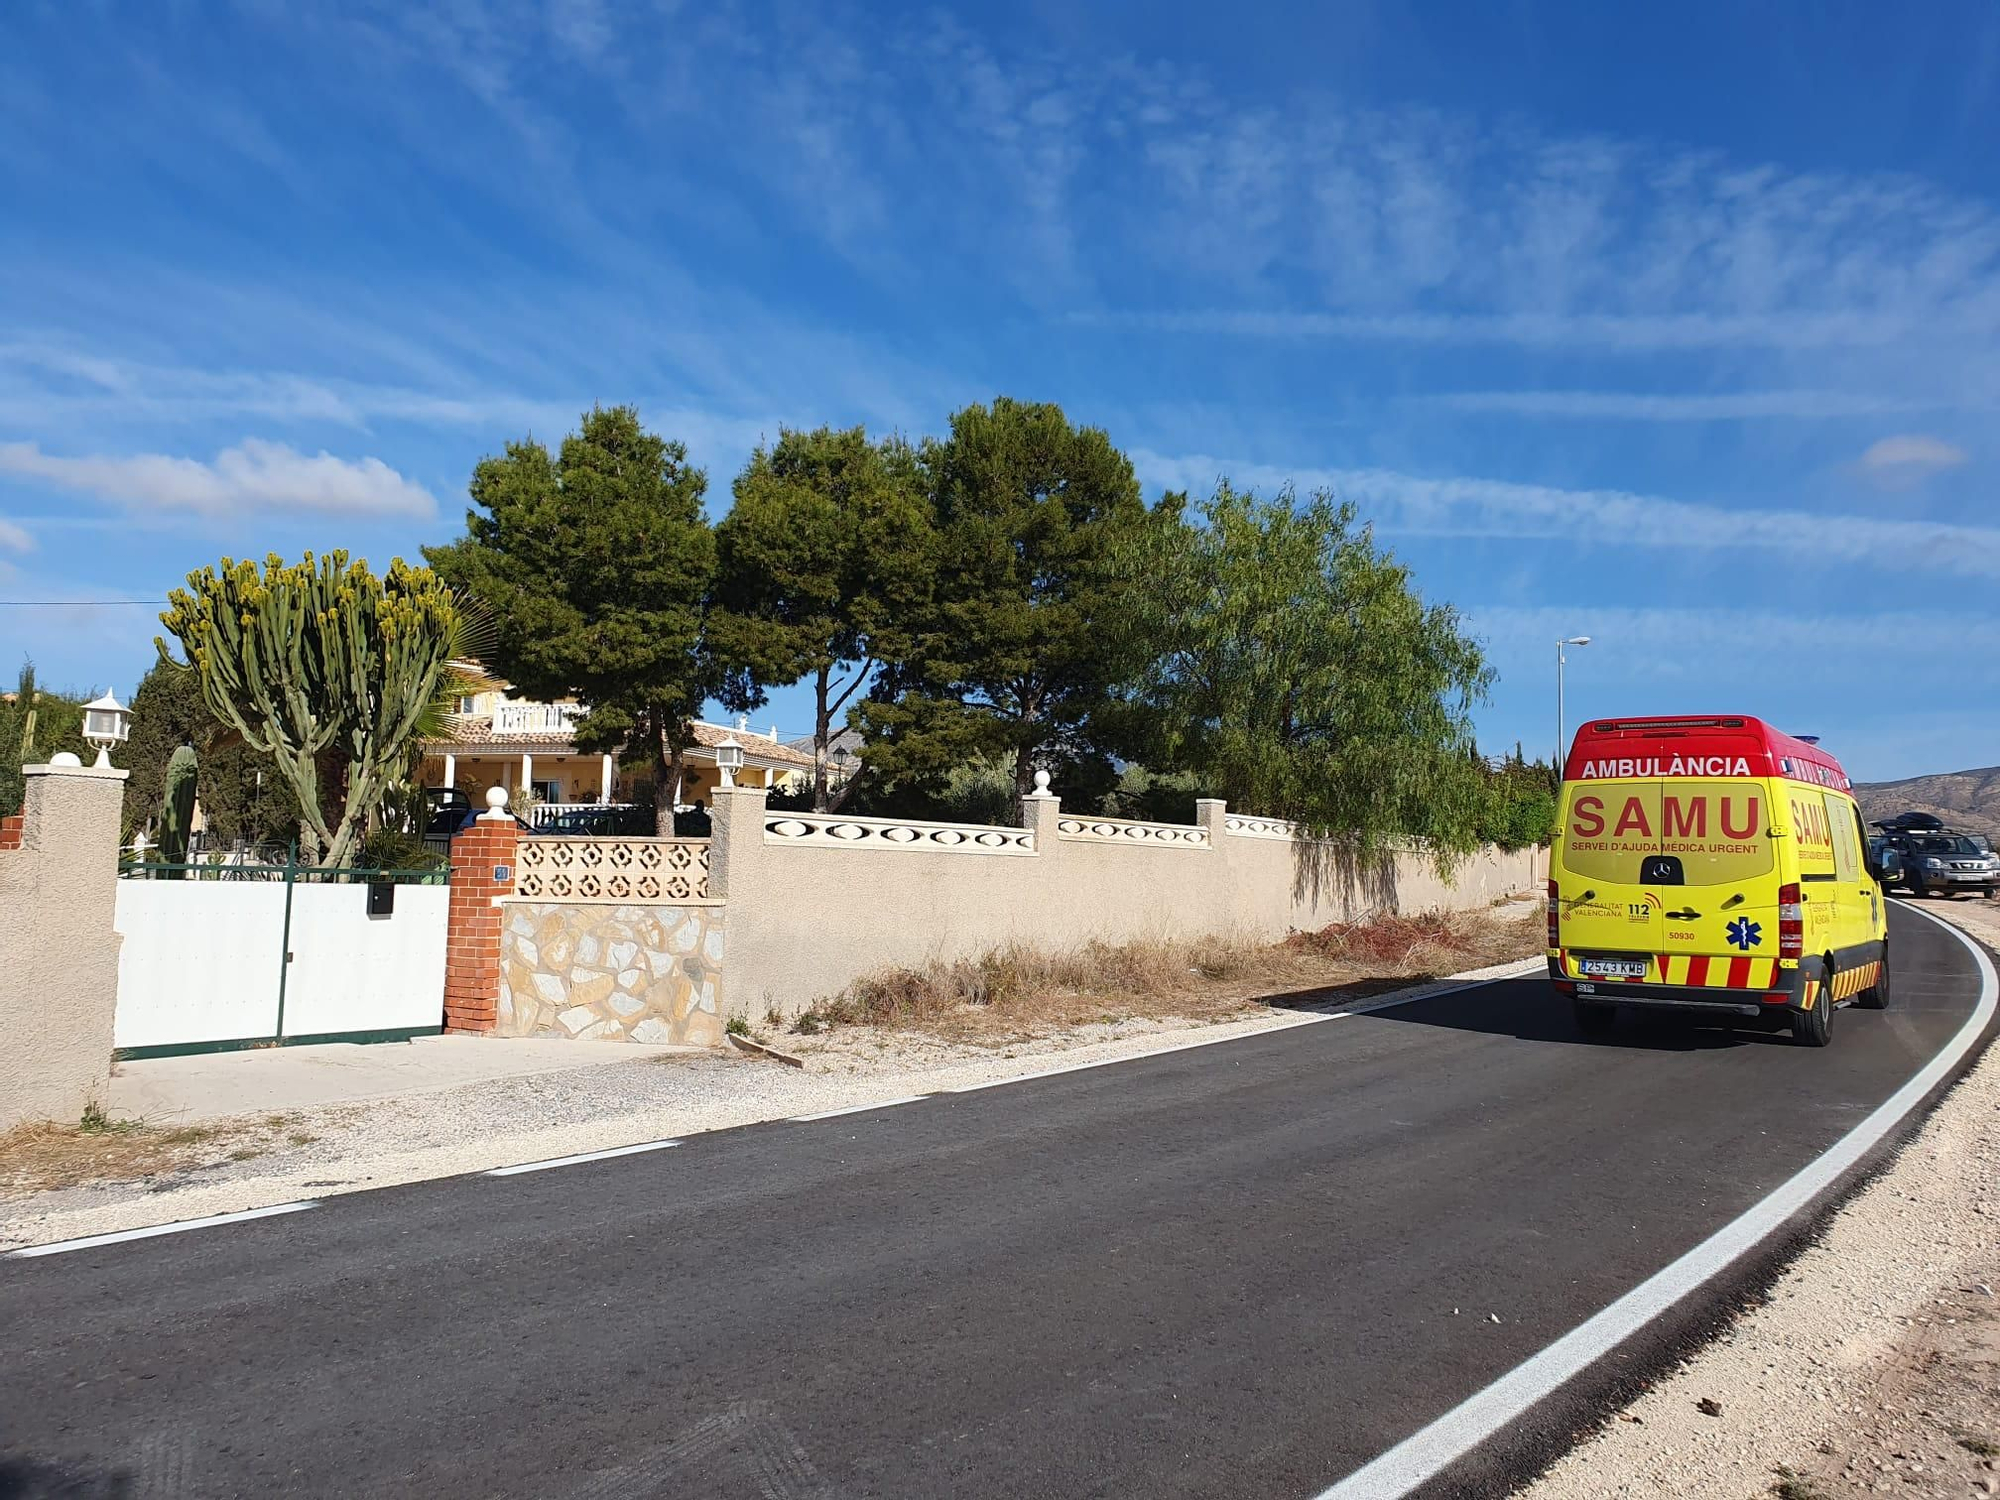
(1679, 329)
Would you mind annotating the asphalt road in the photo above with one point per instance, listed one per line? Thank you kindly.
(1239, 1270)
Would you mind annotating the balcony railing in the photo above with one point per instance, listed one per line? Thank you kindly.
(535, 718)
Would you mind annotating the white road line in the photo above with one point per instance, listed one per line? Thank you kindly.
(858, 1109)
(570, 1161)
(91, 1242)
(1431, 1449)
(1310, 1019)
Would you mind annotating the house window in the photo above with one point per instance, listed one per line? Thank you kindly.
(548, 791)
(465, 703)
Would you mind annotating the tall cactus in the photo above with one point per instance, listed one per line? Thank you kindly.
(177, 806)
(302, 659)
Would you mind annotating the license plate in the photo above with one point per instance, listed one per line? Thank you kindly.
(1614, 968)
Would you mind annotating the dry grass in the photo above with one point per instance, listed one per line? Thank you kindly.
(1018, 991)
(37, 1157)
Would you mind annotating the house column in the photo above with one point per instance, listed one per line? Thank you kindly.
(604, 782)
(527, 773)
(450, 769)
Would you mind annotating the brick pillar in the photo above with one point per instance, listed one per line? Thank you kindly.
(472, 927)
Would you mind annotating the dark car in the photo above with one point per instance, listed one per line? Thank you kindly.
(445, 808)
(614, 821)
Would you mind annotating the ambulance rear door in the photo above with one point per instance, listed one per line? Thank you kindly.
(1717, 879)
(1608, 920)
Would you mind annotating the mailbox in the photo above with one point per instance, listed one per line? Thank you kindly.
(381, 898)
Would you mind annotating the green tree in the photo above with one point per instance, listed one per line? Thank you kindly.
(826, 560)
(34, 725)
(1027, 641)
(318, 659)
(1519, 808)
(1300, 674)
(594, 568)
(242, 795)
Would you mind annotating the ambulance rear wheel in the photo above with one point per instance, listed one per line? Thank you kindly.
(1594, 1019)
(1876, 996)
(1814, 1028)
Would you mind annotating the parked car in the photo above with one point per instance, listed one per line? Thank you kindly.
(614, 821)
(445, 809)
(1940, 861)
(1943, 864)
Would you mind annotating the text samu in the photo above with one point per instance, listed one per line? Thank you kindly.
(1680, 817)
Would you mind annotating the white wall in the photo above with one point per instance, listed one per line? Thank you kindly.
(200, 960)
(810, 914)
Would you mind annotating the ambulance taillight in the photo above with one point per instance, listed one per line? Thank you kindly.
(1791, 923)
(1555, 916)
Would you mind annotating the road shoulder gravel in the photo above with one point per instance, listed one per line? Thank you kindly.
(1869, 1367)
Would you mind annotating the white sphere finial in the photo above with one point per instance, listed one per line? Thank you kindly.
(1041, 783)
(64, 758)
(496, 802)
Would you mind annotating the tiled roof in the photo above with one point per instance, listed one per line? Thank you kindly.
(844, 739)
(476, 730)
(755, 745)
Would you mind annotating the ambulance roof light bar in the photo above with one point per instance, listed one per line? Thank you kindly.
(1616, 726)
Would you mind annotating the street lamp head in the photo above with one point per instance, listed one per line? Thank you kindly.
(729, 760)
(106, 722)
(1575, 640)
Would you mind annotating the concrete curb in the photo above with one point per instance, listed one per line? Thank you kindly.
(760, 1050)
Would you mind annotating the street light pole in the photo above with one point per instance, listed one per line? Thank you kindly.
(1562, 728)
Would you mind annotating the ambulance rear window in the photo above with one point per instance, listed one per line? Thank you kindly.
(1674, 832)
(1610, 829)
(1719, 830)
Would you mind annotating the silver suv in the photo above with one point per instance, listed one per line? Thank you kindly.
(1943, 863)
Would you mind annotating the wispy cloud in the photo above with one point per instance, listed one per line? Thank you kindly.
(1728, 406)
(1651, 332)
(15, 538)
(255, 476)
(1907, 460)
(1673, 642)
(43, 385)
(1498, 508)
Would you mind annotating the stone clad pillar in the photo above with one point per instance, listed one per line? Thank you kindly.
(1212, 814)
(736, 843)
(482, 869)
(59, 942)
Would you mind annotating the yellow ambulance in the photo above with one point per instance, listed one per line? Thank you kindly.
(1714, 866)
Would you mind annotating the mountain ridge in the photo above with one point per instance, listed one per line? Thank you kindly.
(1962, 799)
